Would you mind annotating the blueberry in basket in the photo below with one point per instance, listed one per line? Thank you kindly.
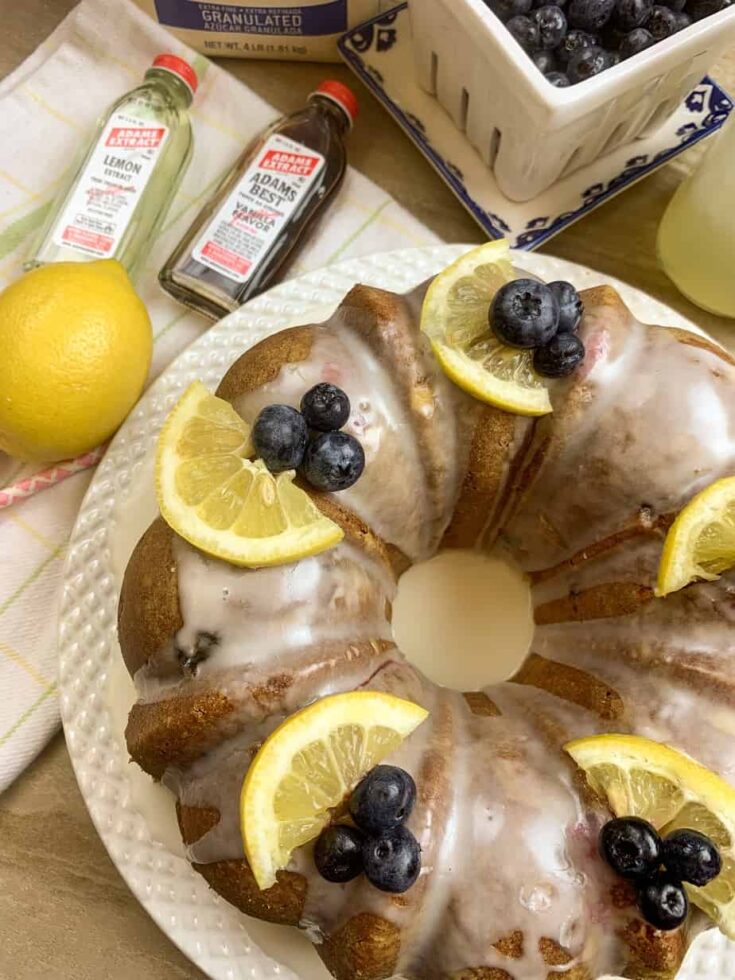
(558, 79)
(525, 31)
(590, 15)
(699, 9)
(662, 23)
(505, 9)
(544, 61)
(552, 26)
(571, 41)
(638, 40)
(586, 63)
(630, 14)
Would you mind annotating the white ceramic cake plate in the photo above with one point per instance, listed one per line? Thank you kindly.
(133, 816)
(380, 53)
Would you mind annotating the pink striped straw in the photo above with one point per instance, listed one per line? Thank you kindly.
(29, 486)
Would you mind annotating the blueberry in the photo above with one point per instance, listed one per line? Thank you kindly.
(574, 42)
(325, 407)
(663, 901)
(505, 9)
(559, 357)
(675, 5)
(525, 31)
(638, 40)
(590, 15)
(661, 23)
(524, 313)
(544, 61)
(558, 79)
(613, 58)
(571, 306)
(338, 853)
(552, 26)
(586, 63)
(630, 14)
(279, 437)
(190, 657)
(383, 800)
(705, 8)
(682, 20)
(392, 861)
(631, 846)
(691, 856)
(545, 3)
(333, 461)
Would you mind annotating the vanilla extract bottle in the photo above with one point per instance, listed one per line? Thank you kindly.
(263, 210)
(126, 179)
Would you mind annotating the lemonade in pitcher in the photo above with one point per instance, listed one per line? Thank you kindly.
(696, 238)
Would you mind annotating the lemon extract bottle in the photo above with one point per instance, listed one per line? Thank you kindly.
(265, 207)
(116, 200)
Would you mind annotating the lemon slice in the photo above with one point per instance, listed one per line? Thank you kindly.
(642, 778)
(701, 541)
(210, 493)
(455, 318)
(309, 765)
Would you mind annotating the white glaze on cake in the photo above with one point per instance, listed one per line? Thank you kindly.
(508, 844)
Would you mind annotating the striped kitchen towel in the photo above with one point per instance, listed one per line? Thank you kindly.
(47, 108)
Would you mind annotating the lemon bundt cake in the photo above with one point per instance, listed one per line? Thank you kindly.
(512, 884)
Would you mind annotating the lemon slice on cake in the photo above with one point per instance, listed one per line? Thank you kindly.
(227, 505)
(309, 765)
(455, 319)
(701, 541)
(642, 778)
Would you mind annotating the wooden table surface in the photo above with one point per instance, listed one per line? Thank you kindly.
(64, 910)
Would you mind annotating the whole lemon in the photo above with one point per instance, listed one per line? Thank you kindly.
(75, 349)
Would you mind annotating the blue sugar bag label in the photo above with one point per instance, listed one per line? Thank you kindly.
(307, 20)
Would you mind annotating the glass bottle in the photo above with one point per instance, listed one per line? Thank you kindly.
(116, 200)
(696, 237)
(264, 208)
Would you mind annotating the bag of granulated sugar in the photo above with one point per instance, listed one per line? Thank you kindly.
(305, 30)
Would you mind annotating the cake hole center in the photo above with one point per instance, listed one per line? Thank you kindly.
(464, 618)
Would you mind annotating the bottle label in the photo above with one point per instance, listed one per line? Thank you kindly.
(307, 19)
(108, 190)
(257, 211)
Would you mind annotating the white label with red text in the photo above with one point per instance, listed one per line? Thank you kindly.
(257, 211)
(108, 190)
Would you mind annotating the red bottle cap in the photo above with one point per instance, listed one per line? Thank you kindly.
(343, 96)
(177, 66)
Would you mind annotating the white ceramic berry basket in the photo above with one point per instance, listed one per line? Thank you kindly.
(530, 133)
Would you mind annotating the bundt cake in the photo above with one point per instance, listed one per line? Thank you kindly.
(512, 887)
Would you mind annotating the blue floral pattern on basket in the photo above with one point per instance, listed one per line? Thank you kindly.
(379, 33)
(707, 102)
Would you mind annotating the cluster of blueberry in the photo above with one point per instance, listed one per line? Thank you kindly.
(571, 45)
(329, 459)
(633, 848)
(380, 846)
(526, 313)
